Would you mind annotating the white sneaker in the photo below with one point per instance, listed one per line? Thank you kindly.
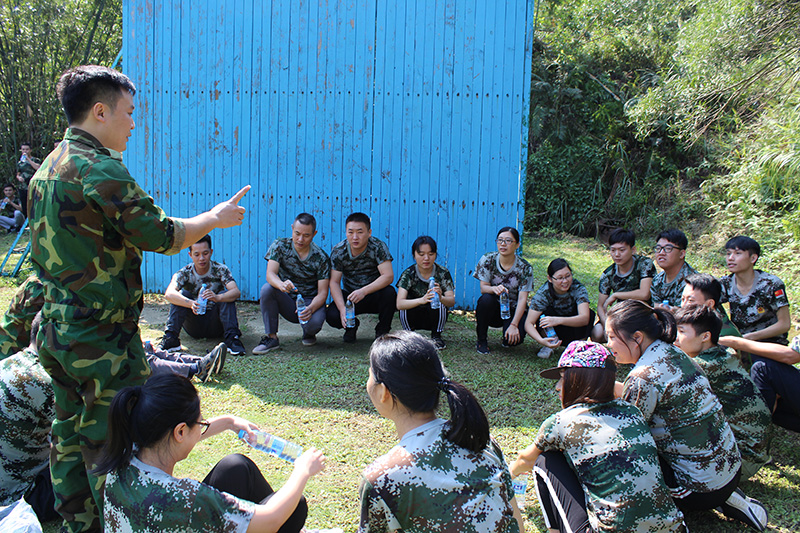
(747, 510)
(545, 352)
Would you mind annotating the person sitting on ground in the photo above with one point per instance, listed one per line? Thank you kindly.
(295, 267)
(415, 297)
(595, 462)
(221, 293)
(502, 272)
(758, 303)
(361, 272)
(442, 475)
(562, 304)
(11, 217)
(629, 277)
(775, 375)
(26, 168)
(668, 284)
(743, 404)
(705, 289)
(697, 449)
(153, 427)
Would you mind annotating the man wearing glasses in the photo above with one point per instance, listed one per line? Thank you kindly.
(670, 250)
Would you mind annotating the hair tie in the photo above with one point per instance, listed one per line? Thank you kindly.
(444, 384)
(134, 399)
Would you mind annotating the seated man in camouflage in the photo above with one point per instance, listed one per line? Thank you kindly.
(11, 217)
(296, 267)
(705, 289)
(667, 286)
(219, 318)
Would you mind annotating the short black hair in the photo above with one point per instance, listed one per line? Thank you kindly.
(29, 145)
(423, 239)
(745, 244)
(307, 219)
(79, 88)
(706, 284)
(7, 185)
(622, 235)
(702, 319)
(675, 236)
(206, 239)
(512, 231)
(359, 217)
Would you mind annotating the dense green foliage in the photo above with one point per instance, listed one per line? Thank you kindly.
(39, 39)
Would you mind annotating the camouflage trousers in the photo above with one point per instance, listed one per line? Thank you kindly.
(89, 362)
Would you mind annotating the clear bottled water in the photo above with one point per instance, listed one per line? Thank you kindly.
(301, 306)
(505, 306)
(275, 446)
(202, 303)
(436, 303)
(350, 313)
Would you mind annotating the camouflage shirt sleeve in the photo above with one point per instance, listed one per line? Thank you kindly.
(642, 394)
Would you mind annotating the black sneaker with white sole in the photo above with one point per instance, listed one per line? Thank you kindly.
(744, 509)
(235, 346)
(169, 343)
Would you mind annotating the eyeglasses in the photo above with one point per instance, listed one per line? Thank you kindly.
(206, 424)
(667, 248)
(505, 241)
(565, 278)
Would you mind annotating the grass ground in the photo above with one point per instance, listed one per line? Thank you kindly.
(315, 397)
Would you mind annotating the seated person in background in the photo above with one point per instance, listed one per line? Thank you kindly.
(295, 267)
(595, 463)
(742, 403)
(757, 300)
(221, 294)
(443, 475)
(501, 272)
(361, 272)
(153, 427)
(563, 304)
(776, 377)
(414, 295)
(705, 289)
(11, 217)
(629, 278)
(668, 284)
(26, 168)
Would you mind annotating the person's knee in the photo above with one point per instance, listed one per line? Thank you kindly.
(266, 292)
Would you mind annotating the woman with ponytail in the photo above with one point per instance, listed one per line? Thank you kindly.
(697, 449)
(443, 475)
(153, 427)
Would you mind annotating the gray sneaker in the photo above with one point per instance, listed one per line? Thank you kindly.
(266, 344)
(222, 349)
(309, 340)
(208, 364)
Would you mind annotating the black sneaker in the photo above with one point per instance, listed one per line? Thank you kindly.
(235, 346)
(747, 510)
(207, 364)
(266, 344)
(350, 333)
(482, 346)
(438, 341)
(169, 343)
(223, 352)
(309, 340)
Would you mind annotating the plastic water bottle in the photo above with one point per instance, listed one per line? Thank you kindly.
(505, 307)
(148, 347)
(666, 302)
(24, 158)
(350, 313)
(550, 332)
(435, 302)
(301, 306)
(275, 446)
(520, 484)
(202, 303)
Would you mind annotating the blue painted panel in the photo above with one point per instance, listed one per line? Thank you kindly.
(414, 111)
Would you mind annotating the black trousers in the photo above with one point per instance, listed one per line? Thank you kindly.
(560, 494)
(382, 302)
(698, 501)
(239, 476)
(567, 334)
(487, 313)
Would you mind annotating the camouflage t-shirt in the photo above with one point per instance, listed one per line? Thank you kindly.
(563, 304)
(15, 324)
(90, 222)
(8, 209)
(517, 279)
(744, 407)
(660, 290)
(611, 281)
(304, 273)
(216, 279)
(612, 451)
(685, 417)
(759, 308)
(362, 270)
(140, 498)
(27, 171)
(26, 413)
(416, 286)
(427, 483)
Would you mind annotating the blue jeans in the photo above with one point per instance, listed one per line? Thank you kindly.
(220, 320)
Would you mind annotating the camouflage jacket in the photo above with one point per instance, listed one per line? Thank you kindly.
(611, 281)
(612, 451)
(27, 171)
(359, 271)
(676, 399)
(744, 407)
(26, 413)
(216, 279)
(660, 290)
(140, 498)
(304, 273)
(90, 222)
(563, 304)
(411, 281)
(517, 279)
(427, 483)
(15, 324)
(759, 308)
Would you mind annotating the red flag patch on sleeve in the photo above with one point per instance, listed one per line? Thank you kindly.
(779, 293)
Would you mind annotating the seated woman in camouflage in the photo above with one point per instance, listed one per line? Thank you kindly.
(154, 426)
(442, 475)
(612, 481)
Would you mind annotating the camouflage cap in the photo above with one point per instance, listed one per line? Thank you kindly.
(579, 354)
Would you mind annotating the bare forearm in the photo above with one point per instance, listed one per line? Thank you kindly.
(384, 280)
(176, 298)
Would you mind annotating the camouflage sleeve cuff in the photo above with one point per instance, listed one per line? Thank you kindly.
(179, 237)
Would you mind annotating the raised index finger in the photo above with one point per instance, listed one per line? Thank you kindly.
(238, 196)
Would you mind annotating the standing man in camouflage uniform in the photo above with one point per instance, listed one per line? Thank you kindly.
(361, 271)
(295, 267)
(26, 167)
(90, 223)
(671, 257)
